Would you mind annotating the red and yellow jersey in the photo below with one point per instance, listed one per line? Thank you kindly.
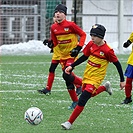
(65, 35)
(56, 53)
(99, 57)
(130, 59)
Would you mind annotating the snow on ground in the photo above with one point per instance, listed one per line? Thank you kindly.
(27, 48)
(36, 47)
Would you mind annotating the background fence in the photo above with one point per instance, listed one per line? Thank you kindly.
(24, 20)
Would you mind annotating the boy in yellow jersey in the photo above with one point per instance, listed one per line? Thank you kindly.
(99, 54)
(65, 35)
(54, 63)
(129, 72)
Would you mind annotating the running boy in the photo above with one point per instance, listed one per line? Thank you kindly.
(99, 54)
(65, 35)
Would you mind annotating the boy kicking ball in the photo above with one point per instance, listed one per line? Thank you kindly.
(99, 54)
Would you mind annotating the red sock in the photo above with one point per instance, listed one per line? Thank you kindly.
(73, 95)
(78, 109)
(77, 86)
(99, 90)
(128, 87)
(77, 80)
(50, 80)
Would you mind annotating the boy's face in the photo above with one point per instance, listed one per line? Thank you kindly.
(59, 16)
(54, 19)
(96, 40)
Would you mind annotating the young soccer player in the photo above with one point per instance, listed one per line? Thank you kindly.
(129, 72)
(54, 63)
(65, 35)
(99, 54)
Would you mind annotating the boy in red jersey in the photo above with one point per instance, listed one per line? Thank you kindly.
(129, 72)
(65, 35)
(54, 63)
(99, 54)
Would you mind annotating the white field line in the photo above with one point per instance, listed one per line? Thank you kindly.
(22, 91)
(111, 105)
(65, 101)
(20, 63)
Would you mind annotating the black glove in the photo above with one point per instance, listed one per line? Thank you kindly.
(75, 51)
(126, 44)
(49, 43)
(51, 51)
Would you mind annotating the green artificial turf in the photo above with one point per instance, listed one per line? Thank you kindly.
(22, 76)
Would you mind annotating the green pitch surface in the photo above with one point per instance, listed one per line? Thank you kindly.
(22, 76)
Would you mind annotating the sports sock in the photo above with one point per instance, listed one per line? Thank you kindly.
(128, 87)
(78, 109)
(77, 80)
(50, 80)
(73, 95)
(99, 90)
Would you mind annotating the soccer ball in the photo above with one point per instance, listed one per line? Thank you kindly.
(33, 116)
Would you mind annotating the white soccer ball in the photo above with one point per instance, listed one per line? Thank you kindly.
(33, 116)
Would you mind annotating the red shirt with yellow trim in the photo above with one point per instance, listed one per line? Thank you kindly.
(99, 57)
(65, 35)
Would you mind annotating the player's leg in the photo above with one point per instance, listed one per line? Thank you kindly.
(78, 85)
(77, 81)
(128, 89)
(106, 87)
(84, 97)
(71, 90)
(47, 90)
(73, 95)
(68, 80)
(128, 86)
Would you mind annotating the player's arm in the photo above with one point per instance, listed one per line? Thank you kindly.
(82, 35)
(53, 38)
(119, 69)
(77, 62)
(129, 41)
(48, 42)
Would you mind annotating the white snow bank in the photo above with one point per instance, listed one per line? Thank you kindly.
(27, 48)
(37, 47)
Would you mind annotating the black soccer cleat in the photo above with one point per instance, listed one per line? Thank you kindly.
(44, 91)
(127, 100)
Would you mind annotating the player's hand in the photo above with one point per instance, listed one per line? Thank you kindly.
(68, 70)
(48, 43)
(75, 51)
(126, 44)
(122, 85)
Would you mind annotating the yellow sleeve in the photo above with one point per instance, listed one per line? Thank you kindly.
(131, 37)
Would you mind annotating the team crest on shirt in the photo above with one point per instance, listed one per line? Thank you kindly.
(101, 54)
(66, 29)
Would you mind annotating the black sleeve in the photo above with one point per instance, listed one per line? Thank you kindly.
(126, 44)
(79, 60)
(119, 69)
